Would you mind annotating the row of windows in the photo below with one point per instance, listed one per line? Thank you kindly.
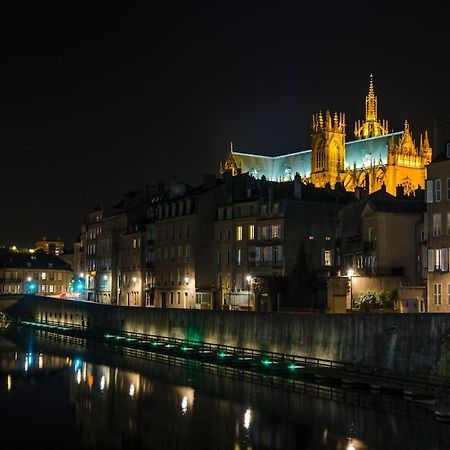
(434, 190)
(247, 211)
(14, 275)
(171, 277)
(437, 224)
(180, 253)
(175, 209)
(170, 233)
(43, 288)
(94, 232)
(174, 298)
(437, 294)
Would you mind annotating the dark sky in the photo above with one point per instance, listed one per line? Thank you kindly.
(98, 99)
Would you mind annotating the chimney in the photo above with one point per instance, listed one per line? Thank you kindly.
(399, 191)
(297, 187)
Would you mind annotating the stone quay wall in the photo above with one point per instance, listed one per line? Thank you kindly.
(406, 343)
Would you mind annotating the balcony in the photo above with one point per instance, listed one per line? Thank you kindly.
(369, 246)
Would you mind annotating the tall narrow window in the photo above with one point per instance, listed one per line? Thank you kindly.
(239, 233)
(437, 190)
(437, 293)
(251, 232)
(276, 231)
(238, 256)
(327, 258)
(437, 224)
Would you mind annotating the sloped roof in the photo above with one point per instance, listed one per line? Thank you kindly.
(37, 260)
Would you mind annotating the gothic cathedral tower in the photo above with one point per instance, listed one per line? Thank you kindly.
(371, 127)
(328, 149)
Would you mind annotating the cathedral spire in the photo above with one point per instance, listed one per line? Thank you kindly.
(371, 103)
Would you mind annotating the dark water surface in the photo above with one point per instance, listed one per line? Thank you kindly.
(59, 395)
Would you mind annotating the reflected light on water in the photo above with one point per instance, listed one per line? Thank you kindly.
(40, 361)
(78, 376)
(247, 418)
(102, 383)
(184, 405)
(132, 390)
(9, 383)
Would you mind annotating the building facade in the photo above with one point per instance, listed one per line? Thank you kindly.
(34, 273)
(184, 246)
(259, 231)
(438, 230)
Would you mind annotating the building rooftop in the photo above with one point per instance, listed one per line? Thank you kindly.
(36, 260)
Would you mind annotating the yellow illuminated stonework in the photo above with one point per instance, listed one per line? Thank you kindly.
(371, 127)
(375, 158)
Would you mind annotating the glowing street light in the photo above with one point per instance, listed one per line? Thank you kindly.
(350, 274)
(249, 281)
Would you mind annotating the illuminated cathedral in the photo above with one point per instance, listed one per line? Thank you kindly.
(376, 157)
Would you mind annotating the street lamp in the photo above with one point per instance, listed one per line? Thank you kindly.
(249, 280)
(350, 274)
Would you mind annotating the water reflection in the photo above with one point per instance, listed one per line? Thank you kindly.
(117, 402)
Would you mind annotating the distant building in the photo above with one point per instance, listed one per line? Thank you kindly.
(375, 158)
(117, 250)
(55, 247)
(37, 273)
(438, 223)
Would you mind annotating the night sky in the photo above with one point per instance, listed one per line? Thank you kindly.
(97, 99)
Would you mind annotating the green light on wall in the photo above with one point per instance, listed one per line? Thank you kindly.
(266, 362)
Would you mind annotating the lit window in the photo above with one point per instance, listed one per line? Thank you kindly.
(276, 231)
(437, 259)
(239, 233)
(251, 232)
(327, 258)
(43, 276)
